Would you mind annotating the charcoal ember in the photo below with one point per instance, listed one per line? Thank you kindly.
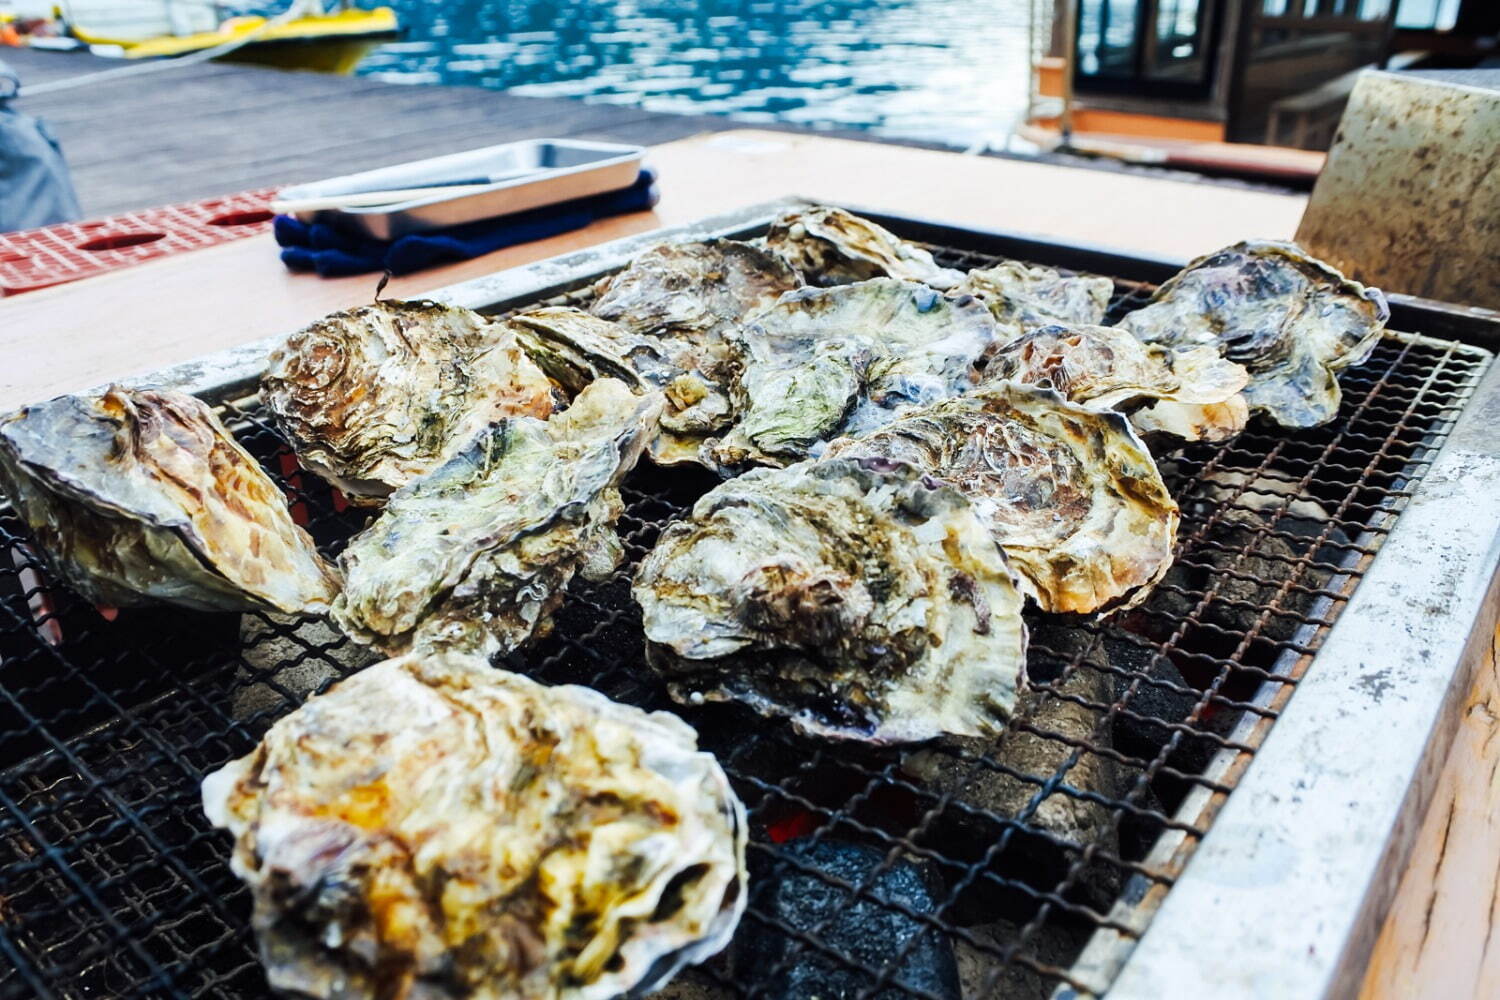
(868, 933)
(698, 984)
(1154, 714)
(1254, 547)
(279, 645)
(964, 768)
(686, 988)
(1162, 698)
(949, 766)
(1238, 602)
(982, 976)
(1242, 545)
(1265, 495)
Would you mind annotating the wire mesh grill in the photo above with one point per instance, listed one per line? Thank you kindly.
(963, 868)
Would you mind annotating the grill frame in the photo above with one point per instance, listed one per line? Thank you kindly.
(225, 376)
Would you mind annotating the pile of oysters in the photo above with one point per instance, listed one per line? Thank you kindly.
(911, 455)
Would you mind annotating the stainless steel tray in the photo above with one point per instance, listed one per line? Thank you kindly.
(546, 171)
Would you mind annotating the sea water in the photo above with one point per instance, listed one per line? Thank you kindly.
(951, 71)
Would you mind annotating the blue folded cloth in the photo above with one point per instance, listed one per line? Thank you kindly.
(334, 253)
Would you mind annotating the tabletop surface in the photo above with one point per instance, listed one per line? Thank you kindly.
(146, 317)
(1437, 941)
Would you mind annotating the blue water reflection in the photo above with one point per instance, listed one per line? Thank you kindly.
(944, 70)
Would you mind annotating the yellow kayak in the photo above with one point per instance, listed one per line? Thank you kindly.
(330, 43)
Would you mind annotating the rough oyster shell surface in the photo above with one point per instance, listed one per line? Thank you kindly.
(1194, 421)
(829, 361)
(137, 496)
(576, 348)
(1070, 494)
(432, 828)
(372, 397)
(681, 300)
(833, 247)
(859, 599)
(1023, 296)
(1104, 367)
(1291, 320)
(475, 555)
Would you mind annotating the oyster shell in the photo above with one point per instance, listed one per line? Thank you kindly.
(1024, 296)
(370, 398)
(475, 555)
(833, 247)
(576, 348)
(1070, 494)
(680, 300)
(1104, 367)
(1194, 421)
(137, 496)
(829, 361)
(1293, 321)
(857, 598)
(432, 828)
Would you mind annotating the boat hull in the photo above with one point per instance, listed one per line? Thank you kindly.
(338, 56)
(328, 43)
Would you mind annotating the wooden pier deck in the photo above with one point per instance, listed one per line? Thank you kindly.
(215, 128)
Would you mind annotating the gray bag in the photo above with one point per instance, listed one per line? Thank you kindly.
(35, 189)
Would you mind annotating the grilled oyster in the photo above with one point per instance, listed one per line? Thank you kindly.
(1024, 296)
(1293, 321)
(137, 496)
(833, 247)
(432, 828)
(370, 398)
(829, 361)
(475, 555)
(1105, 367)
(857, 598)
(679, 300)
(1071, 495)
(576, 348)
(1194, 421)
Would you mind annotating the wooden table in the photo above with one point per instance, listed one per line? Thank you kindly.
(1437, 941)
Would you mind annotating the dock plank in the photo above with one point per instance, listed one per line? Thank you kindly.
(200, 130)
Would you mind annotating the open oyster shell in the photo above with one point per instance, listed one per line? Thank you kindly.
(431, 828)
(137, 496)
(475, 555)
(833, 247)
(829, 361)
(576, 349)
(1293, 321)
(1194, 421)
(680, 301)
(857, 598)
(1106, 368)
(1070, 494)
(370, 398)
(1024, 296)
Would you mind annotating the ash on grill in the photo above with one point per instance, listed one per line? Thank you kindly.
(959, 868)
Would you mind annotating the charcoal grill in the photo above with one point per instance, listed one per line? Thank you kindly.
(1056, 863)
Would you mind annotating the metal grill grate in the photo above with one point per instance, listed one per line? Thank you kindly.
(869, 867)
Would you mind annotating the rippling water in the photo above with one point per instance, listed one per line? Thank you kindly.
(942, 70)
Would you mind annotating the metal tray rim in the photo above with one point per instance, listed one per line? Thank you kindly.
(389, 221)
